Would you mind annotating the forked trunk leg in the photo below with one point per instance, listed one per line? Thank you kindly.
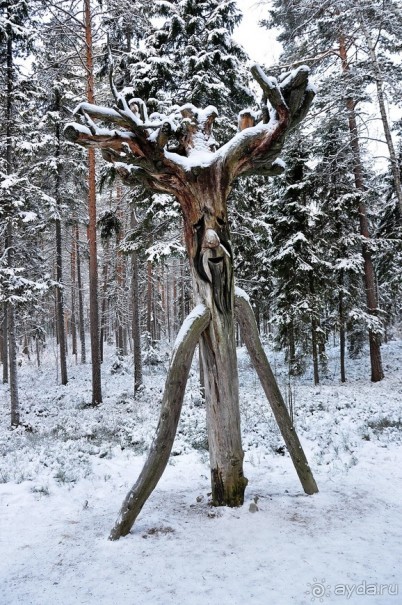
(251, 337)
(175, 386)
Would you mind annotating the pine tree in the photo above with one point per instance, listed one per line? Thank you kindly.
(14, 40)
(313, 32)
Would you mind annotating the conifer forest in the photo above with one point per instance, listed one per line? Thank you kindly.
(200, 302)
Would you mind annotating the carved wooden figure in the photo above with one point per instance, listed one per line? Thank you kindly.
(177, 154)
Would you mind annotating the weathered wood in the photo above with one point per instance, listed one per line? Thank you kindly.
(207, 240)
(141, 158)
(182, 160)
(219, 368)
(246, 119)
(161, 447)
(259, 359)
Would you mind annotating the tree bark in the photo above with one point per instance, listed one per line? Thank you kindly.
(93, 254)
(161, 447)
(369, 274)
(292, 349)
(149, 300)
(15, 406)
(135, 325)
(59, 256)
(315, 350)
(5, 343)
(37, 351)
(208, 246)
(219, 366)
(257, 354)
(105, 278)
(73, 272)
(10, 337)
(342, 335)
(119, 278)
(12, 341)
(80, 297)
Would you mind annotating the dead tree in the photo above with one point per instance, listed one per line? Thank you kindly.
(177, 154)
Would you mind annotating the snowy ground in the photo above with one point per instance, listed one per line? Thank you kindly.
(63, 480)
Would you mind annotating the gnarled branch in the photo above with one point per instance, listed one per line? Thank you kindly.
(169, 146)
(256, 149)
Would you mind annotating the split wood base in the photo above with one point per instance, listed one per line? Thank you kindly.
(176, 381)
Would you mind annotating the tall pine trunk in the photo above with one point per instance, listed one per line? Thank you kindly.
(105, 277)
(379, 82)
(314, 347)
(119, 278)
(149, 300)
(73, 272)
(12, 340)
(93, 260)
(10, 337)
(342, 330)
(59, 256)
(4, 342)
(80, 296)
(135, 325)
(369, 274)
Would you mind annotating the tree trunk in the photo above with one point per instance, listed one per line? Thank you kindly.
(5, 343)
(252, 340)
(73, 295)
(105, 278)
(15, 411)
(119, 278)
(208, 245)
(37, 352)
(12, 341)
(379, 81)
(167, 306)
(1, 342)
(135, 325)
(219, 363)
(369, 274)
(342, 335)
(292, 349)
(161, 447)
(315, 350)
(10, 337)
(80, 297)
(93, 258)
(149, 299)
(59, 257)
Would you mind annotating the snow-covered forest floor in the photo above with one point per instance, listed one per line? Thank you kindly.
(63, 478)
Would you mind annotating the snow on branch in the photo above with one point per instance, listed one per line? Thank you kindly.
(158, 149)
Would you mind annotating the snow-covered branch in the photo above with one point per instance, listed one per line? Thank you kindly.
(158, 149)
